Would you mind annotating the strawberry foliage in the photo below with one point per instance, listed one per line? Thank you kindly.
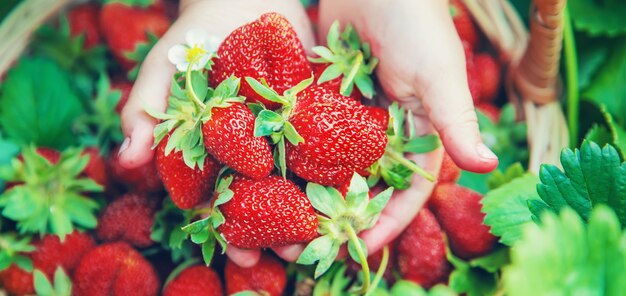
(49, 197)
(61, 285)
(12, 249)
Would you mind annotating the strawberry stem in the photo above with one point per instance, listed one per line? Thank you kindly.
(409, 164)
(354, 239)
(381, 270)
(189, 87)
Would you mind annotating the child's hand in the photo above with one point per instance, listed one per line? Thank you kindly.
(219, 18)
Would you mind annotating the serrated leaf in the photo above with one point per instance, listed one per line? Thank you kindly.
(599, 17)
(565, 256)
(506, 208)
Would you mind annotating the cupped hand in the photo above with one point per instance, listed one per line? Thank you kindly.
(421, 66)
(218, 18)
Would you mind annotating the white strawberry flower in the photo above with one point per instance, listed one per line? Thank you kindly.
(197, 52)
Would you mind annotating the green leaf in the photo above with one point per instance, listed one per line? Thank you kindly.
(264, 91)
(36, 110)
(599, 17)
(315, 250)
(354, 253)
(498, 178)
(43, 286)
(62, 283)
(208, 250)
(469, 280)
(564, 256)
(506, 208)
(493, 261)
(591, 175)
(326, 200)
(267, 123)
(423, 144)
(292, 135)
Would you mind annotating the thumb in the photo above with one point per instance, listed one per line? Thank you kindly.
(242, 257)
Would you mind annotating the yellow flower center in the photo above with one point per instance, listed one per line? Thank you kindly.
(195, 53)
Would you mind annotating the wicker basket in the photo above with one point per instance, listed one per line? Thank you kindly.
(532, 63)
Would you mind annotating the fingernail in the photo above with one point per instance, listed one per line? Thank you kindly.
(124, 146)
(484, 152)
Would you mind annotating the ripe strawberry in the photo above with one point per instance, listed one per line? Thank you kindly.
(458, 211)
(490, 110)
(114, 269)
(17, 281)
(83, 19)
(313, 12)
(265, 213)
(463, 23)
(380, 115)
(124, 87)
(96, 167)
(49, 254)
(267, 277)
(129, 219)
(334, 136)
(267, 48)
(229, 136)
(196, 280)
(125, 27)
(449, 171)
(187, 187)
(144, 179)
(488, 72)
(421, 251)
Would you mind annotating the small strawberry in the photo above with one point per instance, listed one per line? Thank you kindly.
(449, 171)
(463, 23)
(126, 28)
(346, 62)
(96, 167)
(488, 72)
(17, 281)
(144, 179)
(114, 269)
(129, 219)
(196, 280)
(83, 19)
(266, 213)
(421, 251)
(187, 187)
(458, 211)
(267, 277)
(124, 87)
(341, 220)
(265, 49)
(490, 110)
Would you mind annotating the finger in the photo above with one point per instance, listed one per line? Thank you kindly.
(243, 258)
(151, 90)
(403, 205)
(289, 253)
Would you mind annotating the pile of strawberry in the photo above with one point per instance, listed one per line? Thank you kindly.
(260, 147)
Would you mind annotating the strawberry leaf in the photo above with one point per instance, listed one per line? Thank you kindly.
(498, 178)
(267, 123)
(599, 17)
(12, 248)
(141, 52)
(471, 281)
(62, 283)
(564, 255)
(167, 230)
(591, 175)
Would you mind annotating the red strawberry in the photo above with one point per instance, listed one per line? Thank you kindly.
(96, 167)
(334, 133)
(195, 281)
(334, 84)
(229, 137)
(187, 187)
(267, 277)
(449, 171)
(124, 27)
(124, 87)
(421, 251)
(50, 253)
(313, 12)
(458, 211)
(473, 80)
(463, 23)
(488, 72)
(265, 213)
(17, 281)
(267, 48)
(490, 110)
(129, 219)
(144, 179)
(380, 115)
(114, 269)
(83, 19)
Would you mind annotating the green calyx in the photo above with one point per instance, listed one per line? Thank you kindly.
(188, 108)
(12, 248)
(204, 231)
(140, 53)
(167, 230)
(133, 3)
(49, 198)
(393, 167)
(61, 285)
(348, 57)
(104, 119)
(340, 222)
(275, 124)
